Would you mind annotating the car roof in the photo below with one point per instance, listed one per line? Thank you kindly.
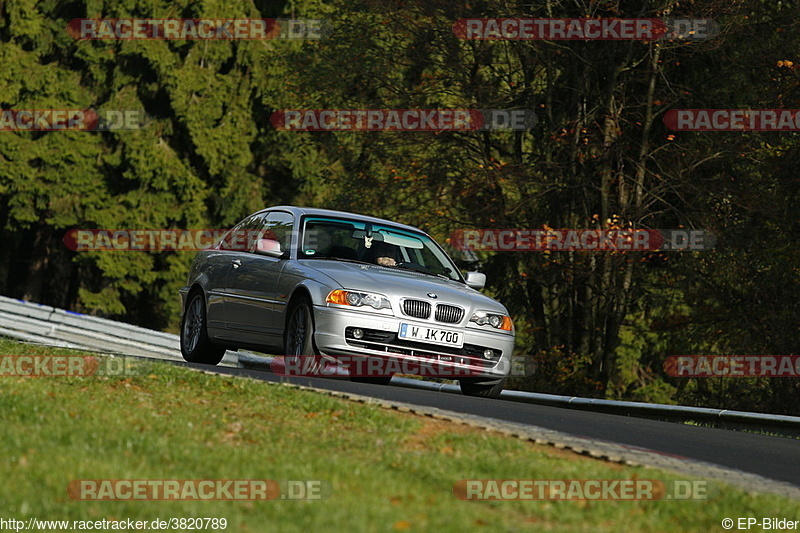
(313, 211)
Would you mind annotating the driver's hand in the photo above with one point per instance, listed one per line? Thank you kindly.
(386, 261)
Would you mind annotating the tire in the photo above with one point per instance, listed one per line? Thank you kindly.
(298, 338)
(483, 390)
(195, 344)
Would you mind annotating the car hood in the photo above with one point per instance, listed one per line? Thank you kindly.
(397, 283)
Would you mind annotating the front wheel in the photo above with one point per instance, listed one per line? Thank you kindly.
(298, 339)
(195, 344)
(471, 388)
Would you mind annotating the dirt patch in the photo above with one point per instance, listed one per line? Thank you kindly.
(431, 428)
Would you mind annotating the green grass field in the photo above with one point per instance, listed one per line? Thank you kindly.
(386, 471)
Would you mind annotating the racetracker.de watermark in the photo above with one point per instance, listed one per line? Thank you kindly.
(71, 119)
(746, 366)
(70, 366)
(158, 240)
(198, 29)
(181, 240)
(198, 489)
(403, 119)
(581, 29)
(444, 366)
(732, 119)
(535, 240)
(579, 489)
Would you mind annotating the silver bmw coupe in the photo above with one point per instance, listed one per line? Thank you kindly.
(321, 287)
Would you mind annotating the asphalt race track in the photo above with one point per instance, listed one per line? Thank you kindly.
(763, 455)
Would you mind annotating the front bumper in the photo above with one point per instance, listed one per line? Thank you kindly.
(333, 337)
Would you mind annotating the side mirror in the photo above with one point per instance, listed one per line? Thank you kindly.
(269, 247)
(476, 280)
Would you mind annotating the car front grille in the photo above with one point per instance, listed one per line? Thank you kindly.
(385, 341)
(445, 313)
(449, 314)
(417, 308)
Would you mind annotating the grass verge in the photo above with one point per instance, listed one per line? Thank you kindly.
(387, 471)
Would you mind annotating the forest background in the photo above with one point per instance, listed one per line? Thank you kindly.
(597, 323)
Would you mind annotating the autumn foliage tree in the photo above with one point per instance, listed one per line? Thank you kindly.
(599, 156)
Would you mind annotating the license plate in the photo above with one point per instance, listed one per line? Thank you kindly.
(442, 337)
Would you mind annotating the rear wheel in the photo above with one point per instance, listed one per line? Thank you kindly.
(195, 344)
(484, 390)
(298, 339)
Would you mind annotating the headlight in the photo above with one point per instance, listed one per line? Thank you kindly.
(358, 299)
(483, 318)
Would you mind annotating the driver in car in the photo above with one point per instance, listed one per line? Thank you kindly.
(384, 254)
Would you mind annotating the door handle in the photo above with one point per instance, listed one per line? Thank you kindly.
(236, 263)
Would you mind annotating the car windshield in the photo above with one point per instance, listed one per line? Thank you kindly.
(350, 240)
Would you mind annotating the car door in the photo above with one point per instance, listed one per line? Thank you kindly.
(252, 282)
(217, 266)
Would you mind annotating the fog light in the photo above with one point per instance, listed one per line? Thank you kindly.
(487, 353)
(358, 333)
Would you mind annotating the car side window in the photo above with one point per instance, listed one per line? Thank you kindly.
(278, 227)
(243, 235)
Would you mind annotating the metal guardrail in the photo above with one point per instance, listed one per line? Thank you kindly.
(43, 324)
(725, 418)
